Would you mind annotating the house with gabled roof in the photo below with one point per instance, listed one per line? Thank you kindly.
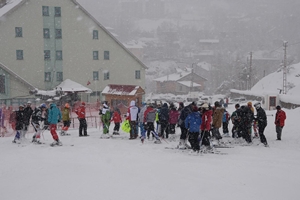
(48, 41)
(181, 82)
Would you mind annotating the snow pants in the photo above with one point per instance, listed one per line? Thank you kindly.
(193, 139)
(163, 129)
(66, 125)
(204, 138)
(117, 126)
(279, 132)
(53, 128)
(183, 134)
(261, 129)
(83, 127)
(225, 127)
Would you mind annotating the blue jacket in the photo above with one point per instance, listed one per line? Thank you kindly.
(193, 122)
(54, 114)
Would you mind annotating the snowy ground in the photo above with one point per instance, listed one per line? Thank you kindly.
(92, 168)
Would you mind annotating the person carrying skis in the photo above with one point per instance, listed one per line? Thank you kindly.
(261, 119)
(82, 121)
(205, 126)
(163, 118)
(20, 125)
(35, 122)
(54, 116)
(173, 120)
(279, 121)
(225, 122)
(116, 118)
(192, 124)
(66, 119)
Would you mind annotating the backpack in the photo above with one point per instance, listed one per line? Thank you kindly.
(151, 116)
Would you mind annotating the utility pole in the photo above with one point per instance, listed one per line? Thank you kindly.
(250, 72)
(284, 88)
(191, 88)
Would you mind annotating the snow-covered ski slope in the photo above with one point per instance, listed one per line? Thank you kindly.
(92, 168)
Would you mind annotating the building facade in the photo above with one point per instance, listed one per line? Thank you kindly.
(47, 41)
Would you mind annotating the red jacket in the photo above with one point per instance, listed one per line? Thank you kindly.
(280, 118)
(206, 120)
(80, 112)
(116, 117)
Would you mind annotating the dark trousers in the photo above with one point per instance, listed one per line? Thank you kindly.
(172, 128)
(204, 138)
(149, 128)
(183, 134)
(225, 127)
(244, 132)
(133, 129)
(216, 133)
(262, 136)
(234, 131)
(163, 129)
(193, 139)
(82, 127)
(279, 131)
(117, 126)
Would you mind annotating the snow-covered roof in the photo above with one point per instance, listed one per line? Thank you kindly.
(71, 86)
(189, 83)
(10, 5)
(174, 77)
(128, 90)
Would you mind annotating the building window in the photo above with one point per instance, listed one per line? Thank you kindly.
(58, 55)
(106, 55)
(59, 76)
(19, 54)
(45, 10)
(46, 33)
(137, 74)
(19, 32)
(95, 55)
(47, 76)
(106, 76)
(57, 11)
(95, 34)
(95, 75)
(2, 84)
(58, 33)
(47, 55)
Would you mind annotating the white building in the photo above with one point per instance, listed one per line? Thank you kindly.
(47, 41)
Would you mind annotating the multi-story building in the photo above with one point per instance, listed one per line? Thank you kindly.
(44, 42)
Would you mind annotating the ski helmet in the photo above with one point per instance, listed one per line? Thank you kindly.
(257, 105)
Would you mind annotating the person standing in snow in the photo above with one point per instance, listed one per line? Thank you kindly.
(141, 121)
(149, 118)
(35, 122)
(249, 104)
(54, 116)
(27, 115)
(261, 119)
(184, 132)
(217, 120)
(173, 120)
(20, 125)
(66, 119)
(116, 118)
(192, 124)
(246, 119)
(235, 119)
(163, 118)
(82, 121)
(205, 125)
(132, 115)
(225, 122)
(279, 121)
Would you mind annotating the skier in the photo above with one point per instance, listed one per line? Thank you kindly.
(246, 118)
(205, 126)
(54, 116)
(279, 121)
(173, 120)
(163, 118)
(149, 118)
(217, 120)
(132, 116)
(183, 115)
(192, 124)
(27, 115)
(44, 116)
(82, 121)
(261, 119)
(225, 122)
(66, 119)
(19, 124)
(235, 119)
(35, 122)
(116, 118)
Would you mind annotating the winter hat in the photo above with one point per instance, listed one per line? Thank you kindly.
(205, 105)
(83, 103)
(278, 107)
(43, 105)
(237, 105)
(257, 105)
(217, 104)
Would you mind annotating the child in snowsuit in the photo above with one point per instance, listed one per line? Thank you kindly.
(66, 119)
(192, 123)
(116, 118)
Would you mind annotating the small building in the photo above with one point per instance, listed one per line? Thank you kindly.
(181, 82)
(121, 95)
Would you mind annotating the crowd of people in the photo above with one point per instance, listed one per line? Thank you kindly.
(198, 125)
